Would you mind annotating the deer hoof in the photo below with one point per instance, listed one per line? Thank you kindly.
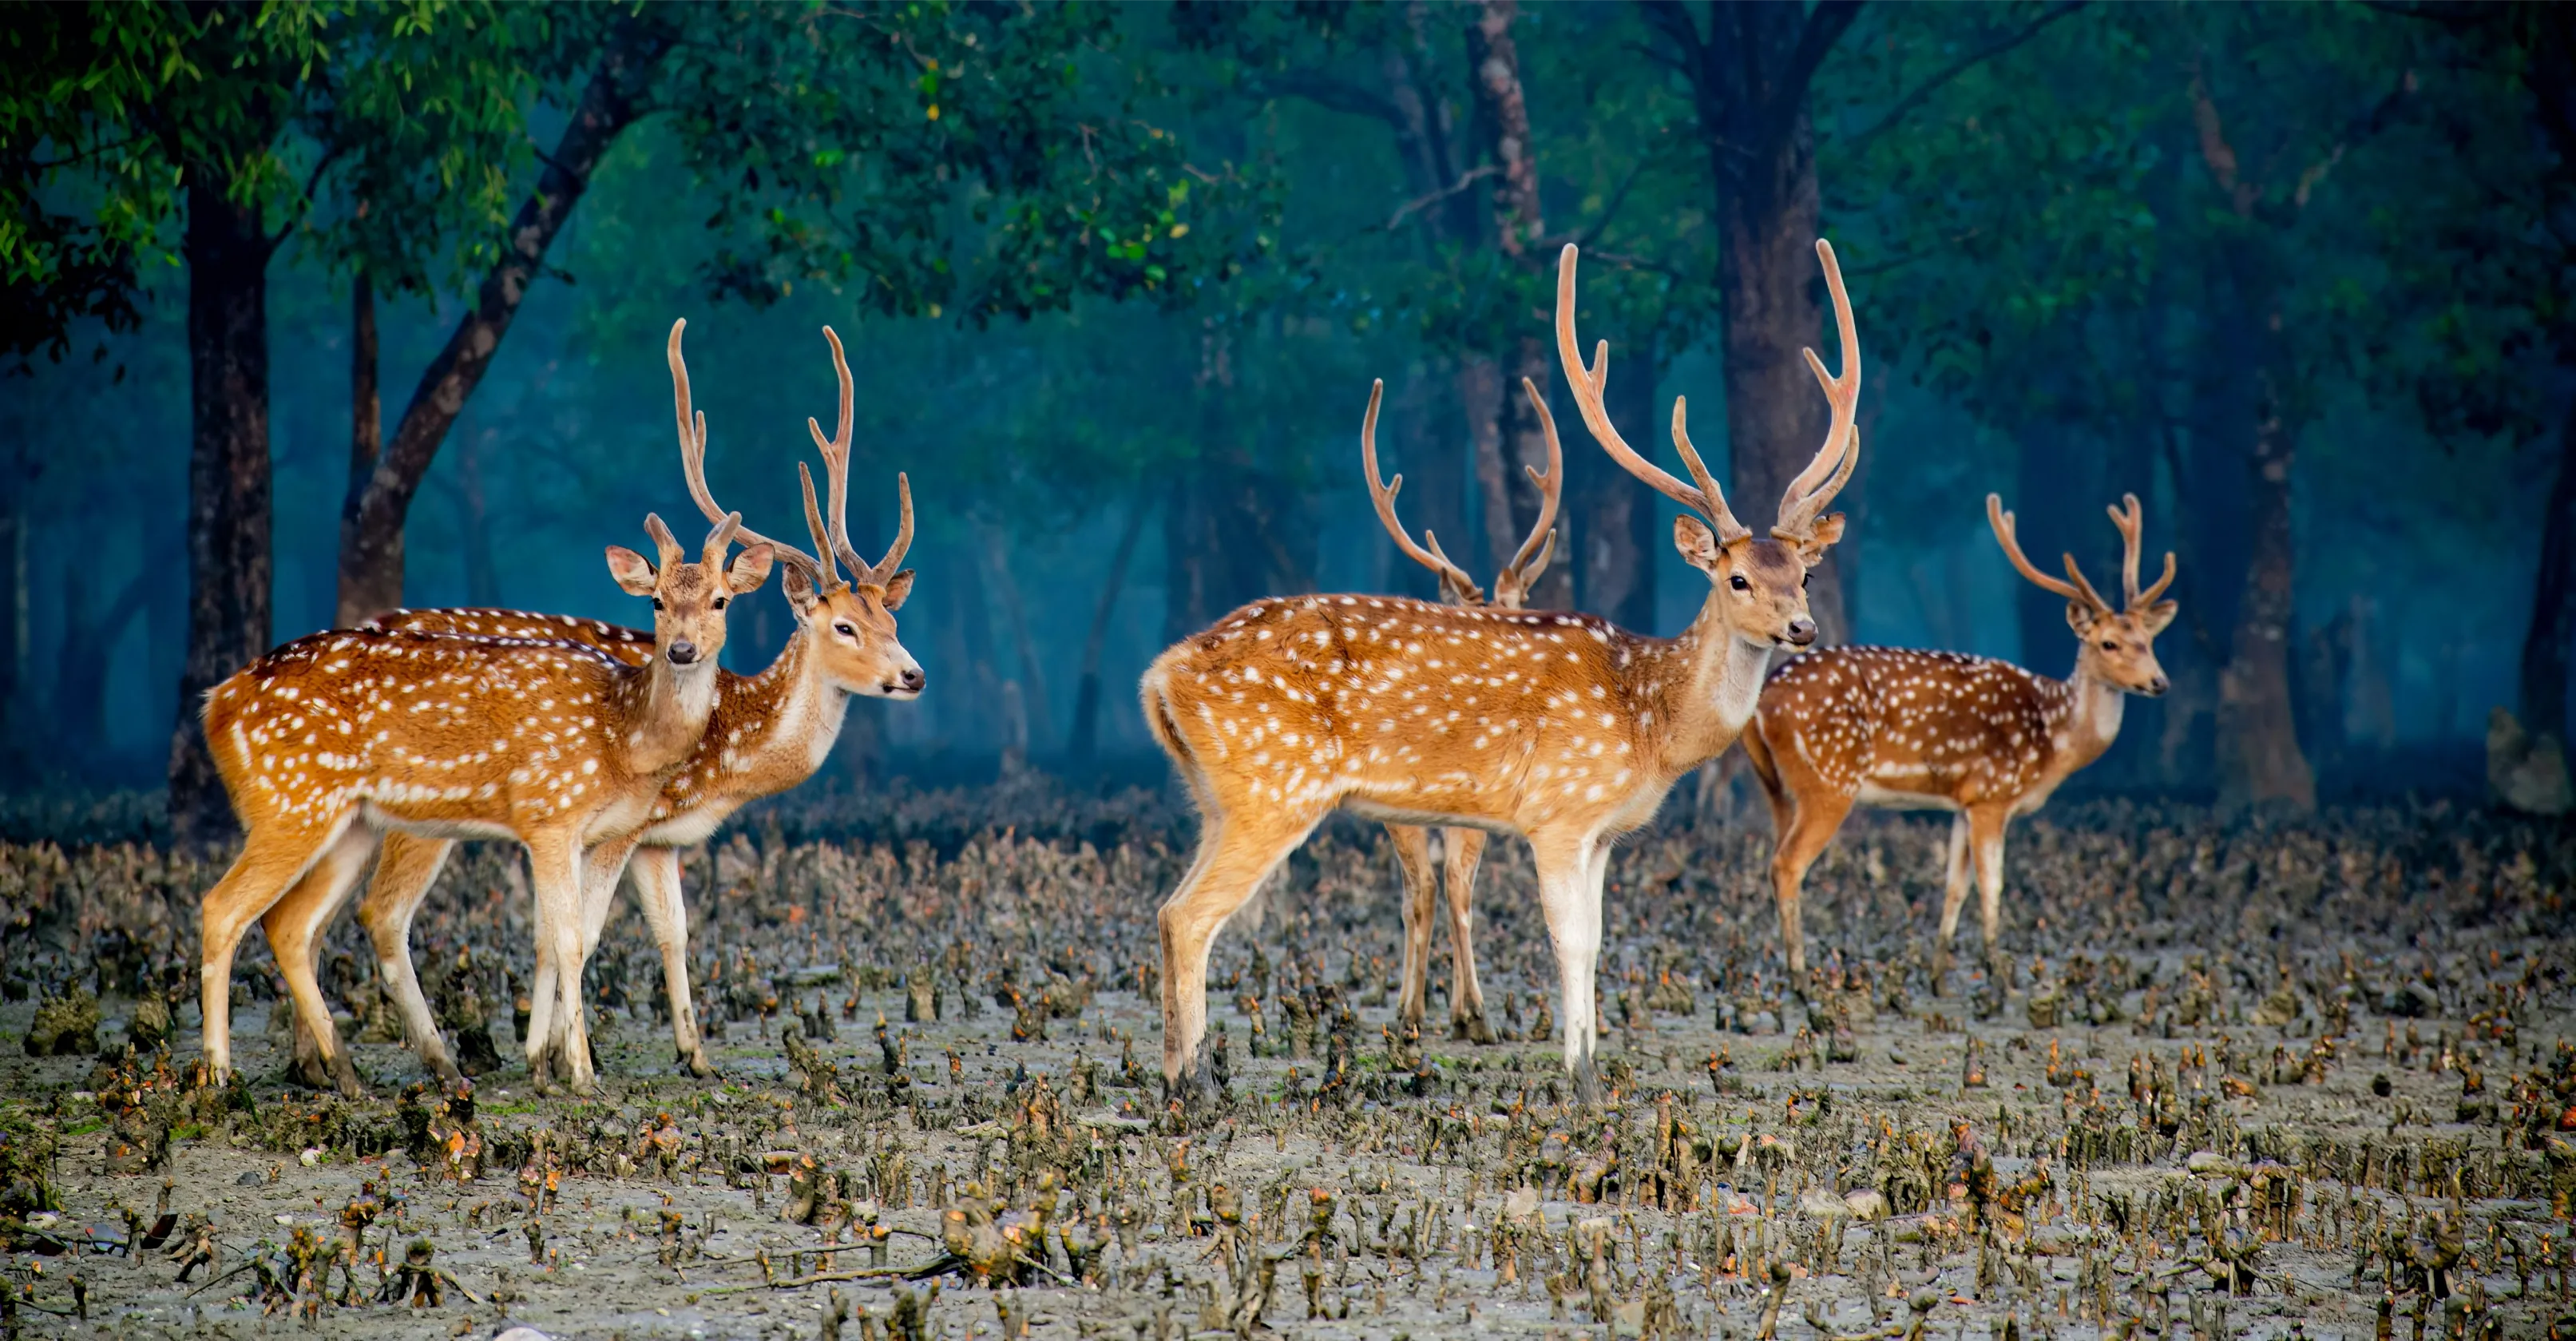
(696, 1060)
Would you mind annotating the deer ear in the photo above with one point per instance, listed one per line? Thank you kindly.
(2158, 615)
(633, 571)
(1820, 537)
(800, 589)
(2080, 617)
(1697, 543)
(897, 589)
(749, 569)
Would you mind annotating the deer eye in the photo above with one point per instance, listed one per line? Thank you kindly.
(720, 602)
(843, 628)
(1738, 582)
(2110, 646)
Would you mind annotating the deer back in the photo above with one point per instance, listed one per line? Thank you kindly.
(1889, 723)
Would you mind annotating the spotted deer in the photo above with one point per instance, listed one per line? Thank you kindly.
(1461, 849)
(769, 731)
(337, 738)
(1559, 727)
(1982, 739)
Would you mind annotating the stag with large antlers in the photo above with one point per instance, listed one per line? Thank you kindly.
(770, 731)
(338, 738)
(1559, 727)
(1983, 739)
(1462, 850)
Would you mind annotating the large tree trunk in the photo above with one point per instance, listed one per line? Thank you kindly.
(227, 252)
(2260, 761)
(371, 532)
(1083, 747)
(1609, 545)
(1775, 415)
(2544, 644)
(80, 678)
(366, 439)
(474, 519)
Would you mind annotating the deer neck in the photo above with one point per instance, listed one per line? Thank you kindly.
(2089, 716)
(793, 715)
(666, 709)
(1716, 694)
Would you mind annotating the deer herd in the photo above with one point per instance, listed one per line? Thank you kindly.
(605, 750)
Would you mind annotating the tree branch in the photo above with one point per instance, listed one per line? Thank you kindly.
(1329, 92)
(2216, 152)
(1410, 207)
(1993, 48)
(1825, 26)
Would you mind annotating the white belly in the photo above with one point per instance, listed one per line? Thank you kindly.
(1386, 814)
(1882, 798)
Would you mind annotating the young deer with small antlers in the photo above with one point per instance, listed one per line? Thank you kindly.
(1559, 727)
(1462, 849)
(1983, 739)
(337, 738)
(769, 732)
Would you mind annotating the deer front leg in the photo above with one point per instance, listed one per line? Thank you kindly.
(555, 870)
(1987, 833)
(1569, 887)
(656, 873)
(406, 867)
(603, 865)
(1466, 850)
(273, 856)
(1412, 844)
(1954, 895)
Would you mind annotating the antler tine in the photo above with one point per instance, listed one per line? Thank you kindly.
(836, 463)
(1589, 383)
(693, 463)
(2002, 521)
(1521, 573)
(2131, 519)
(663, 540)
(883, 570)
(719, 537)
(1382, 494)
(2090, 594)
(1824, 477)
(815, 528)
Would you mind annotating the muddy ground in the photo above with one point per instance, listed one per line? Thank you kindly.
(2252, 1079)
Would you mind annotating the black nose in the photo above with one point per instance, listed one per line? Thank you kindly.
(683, 652)
(1802, 632)
(913, 679)
(2159, 685)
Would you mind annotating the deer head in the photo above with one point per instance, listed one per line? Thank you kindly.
(1759, 583)
(689, 599)
(849, 625)
(2115, 647)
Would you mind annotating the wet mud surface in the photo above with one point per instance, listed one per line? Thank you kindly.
(2233, 1079)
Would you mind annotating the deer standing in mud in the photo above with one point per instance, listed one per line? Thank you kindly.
(1559, 727)
(338, 738)
(1461, 849)
(1985, 740)
(769, 732)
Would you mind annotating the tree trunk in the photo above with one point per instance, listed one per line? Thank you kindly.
(366, 438)
(1609, 546)
(371, 533)
(227, 252)
(80, 680)
(1015, 617)
(13, 608)
(1526, 356)
(2544, 645)
(1775, 416)
(1480, 393)
(2260, 760)
(1083, 748)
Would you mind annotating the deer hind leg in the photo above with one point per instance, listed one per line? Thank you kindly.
(273, 857)
(1805, 825)
(1412, 844)
(1466, 850)
(406, 867)
(1954, 896)
(1236, 853)
(656, 873)
(294, 927)
(1569, 888)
